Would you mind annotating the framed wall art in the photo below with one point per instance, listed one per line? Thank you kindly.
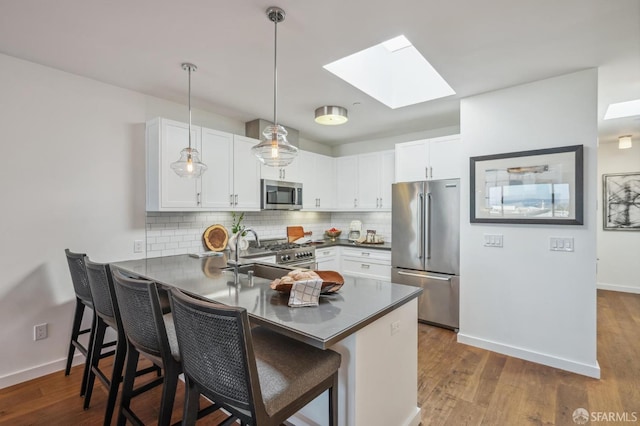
(542, 186)
(621, 201)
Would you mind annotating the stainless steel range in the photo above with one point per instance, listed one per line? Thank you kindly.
(291, 254)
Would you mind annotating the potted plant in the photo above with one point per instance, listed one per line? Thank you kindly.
(237, 231)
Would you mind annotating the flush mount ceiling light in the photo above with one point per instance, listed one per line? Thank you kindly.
(623, 109)
(624, 142)
(392, 72)
(331, 115)
(274, 150)
(189, 164)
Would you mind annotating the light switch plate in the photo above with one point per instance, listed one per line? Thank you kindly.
(492, 240)
(560, 244)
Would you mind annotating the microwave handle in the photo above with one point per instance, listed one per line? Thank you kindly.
(295, 196)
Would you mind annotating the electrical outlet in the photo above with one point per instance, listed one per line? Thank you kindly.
(40, 331)
(138, 246)
(395, 327)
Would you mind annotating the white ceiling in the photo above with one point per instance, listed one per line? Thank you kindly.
(477, 46)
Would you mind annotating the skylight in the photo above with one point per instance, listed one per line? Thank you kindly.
(393, 72)
(623, 109)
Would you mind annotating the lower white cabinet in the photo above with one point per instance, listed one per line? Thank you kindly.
(368, 263)
(327, 259)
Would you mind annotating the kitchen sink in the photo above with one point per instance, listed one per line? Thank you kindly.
(268, 272)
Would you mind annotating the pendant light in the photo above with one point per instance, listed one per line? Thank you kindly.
(274, 150)
(189, 164)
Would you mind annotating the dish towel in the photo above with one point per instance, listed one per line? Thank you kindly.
(305, 293)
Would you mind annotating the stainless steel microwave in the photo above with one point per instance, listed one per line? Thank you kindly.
(279, 195)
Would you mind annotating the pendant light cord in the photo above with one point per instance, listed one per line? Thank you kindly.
(275, 72)
(189, 68)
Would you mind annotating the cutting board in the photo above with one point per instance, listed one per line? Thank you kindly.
(294, 233)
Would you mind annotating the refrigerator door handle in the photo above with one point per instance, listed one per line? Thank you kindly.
(431, 277)
(428, 225)
(421, 224)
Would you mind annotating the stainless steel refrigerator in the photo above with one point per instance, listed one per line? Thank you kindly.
(425, 246)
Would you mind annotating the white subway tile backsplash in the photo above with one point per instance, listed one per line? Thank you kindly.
(170, 233)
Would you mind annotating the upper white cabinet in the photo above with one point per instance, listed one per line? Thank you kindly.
(246, 174)
(232, 180)
(364, 181)
(318, 180)
(165, 189)
(289, 173)
(375, 177)
(428, 159)
(346, 185)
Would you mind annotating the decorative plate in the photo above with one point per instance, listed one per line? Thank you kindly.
(215, 237)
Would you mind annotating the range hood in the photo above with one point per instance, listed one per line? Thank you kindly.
(254, 129)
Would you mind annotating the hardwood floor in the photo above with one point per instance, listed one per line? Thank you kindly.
(458, 384)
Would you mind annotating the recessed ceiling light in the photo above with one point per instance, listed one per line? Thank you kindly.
(392, 72)
(623, 109)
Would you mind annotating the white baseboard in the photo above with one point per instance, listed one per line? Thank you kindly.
(540, 358)
(38, 371)
(617, 287)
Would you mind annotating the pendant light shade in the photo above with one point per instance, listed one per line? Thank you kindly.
(189, 164)
(274, 150)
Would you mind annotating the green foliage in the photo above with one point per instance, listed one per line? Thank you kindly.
(237, 223)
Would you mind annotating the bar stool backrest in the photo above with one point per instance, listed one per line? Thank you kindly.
(79, 276)
(222, 364)
(141, 315)
(103, 292)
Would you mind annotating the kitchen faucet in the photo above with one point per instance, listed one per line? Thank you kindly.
(237, 250)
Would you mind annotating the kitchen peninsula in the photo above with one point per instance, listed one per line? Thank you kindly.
(373, 324)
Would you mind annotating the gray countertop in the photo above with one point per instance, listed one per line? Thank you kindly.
(359, 302)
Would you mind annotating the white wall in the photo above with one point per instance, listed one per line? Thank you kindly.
(618, 266)
(524, 300)
(72, 177)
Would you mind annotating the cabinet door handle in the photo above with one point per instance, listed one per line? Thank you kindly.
(236, 200)
(380, 202)
(284, 173)
(426, 172)
(364, 253)
(365, 266)
(355, 202)
(431, 172)
(198, 198)
(231, 199)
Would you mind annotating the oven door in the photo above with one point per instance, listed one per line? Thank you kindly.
(278, 195)
(303, 264)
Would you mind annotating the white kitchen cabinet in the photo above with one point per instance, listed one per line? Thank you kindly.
(231, 181)
(289, 173)
(327, 259)
(165, 189)
(364, 181)
(318, 181)
(246, 174)
(367, 263)
(375, 177)
(428, 159)
(347, 182)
